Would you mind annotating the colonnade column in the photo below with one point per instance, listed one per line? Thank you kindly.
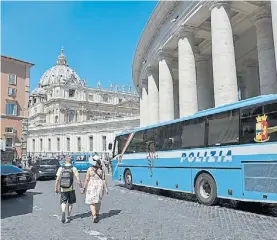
(143, 104)
(153, 96)
(205, 94)
(266, 55)
(252, 78)
(187, 74)
(223, 55)
(166, 99)
(175, 74)
(274, 26)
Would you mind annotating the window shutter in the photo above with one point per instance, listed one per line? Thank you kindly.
(15, 110)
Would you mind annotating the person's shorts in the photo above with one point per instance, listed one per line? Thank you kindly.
(68, 197)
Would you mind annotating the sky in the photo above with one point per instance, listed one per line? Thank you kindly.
(99, 38)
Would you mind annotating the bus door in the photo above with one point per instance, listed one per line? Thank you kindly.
(115, 159)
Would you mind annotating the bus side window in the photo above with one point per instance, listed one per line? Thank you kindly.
(165, 137)
(248, 123)
(193, 133)
(137, 143)
(270, 110)
(176, 136)
(223, 128)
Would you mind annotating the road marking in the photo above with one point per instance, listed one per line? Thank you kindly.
(36, 208)
(56, 216)
(98, 235)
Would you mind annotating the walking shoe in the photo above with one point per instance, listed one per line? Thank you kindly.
(68, 220)
(63, 217)
(96, 220)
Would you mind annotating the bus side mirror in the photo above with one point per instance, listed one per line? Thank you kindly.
(110, 146)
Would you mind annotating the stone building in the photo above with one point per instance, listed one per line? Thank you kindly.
(15, 88)
(65, 116)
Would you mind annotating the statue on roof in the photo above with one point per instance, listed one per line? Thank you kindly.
(99, 84)
(117, 88)
(111, 87)
(123, 88)
(130, 89)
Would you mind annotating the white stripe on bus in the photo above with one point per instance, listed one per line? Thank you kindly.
(236, 150)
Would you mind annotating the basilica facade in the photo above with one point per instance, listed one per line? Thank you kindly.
(65, 116)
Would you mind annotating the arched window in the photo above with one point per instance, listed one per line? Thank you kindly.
(71, 116)
(56, 119)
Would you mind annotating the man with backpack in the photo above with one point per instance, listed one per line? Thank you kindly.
(65, 179)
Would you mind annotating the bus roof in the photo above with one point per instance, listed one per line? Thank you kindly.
(210, 111)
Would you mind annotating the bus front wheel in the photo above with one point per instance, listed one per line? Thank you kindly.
(205, 189)
(128, 179)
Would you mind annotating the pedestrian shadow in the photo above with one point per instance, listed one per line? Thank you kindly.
(14, 205)
(111, 213)
(81, 215)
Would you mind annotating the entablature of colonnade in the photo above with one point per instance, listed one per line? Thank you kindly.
(195, 16)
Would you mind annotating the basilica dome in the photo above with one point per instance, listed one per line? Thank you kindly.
(60, 73)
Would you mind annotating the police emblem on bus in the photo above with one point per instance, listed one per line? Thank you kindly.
(207, 156)
(261, 129)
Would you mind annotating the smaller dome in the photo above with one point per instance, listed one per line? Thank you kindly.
(38, 91)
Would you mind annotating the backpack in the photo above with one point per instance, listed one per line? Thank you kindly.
(66, 177)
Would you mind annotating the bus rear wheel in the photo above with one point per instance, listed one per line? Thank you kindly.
(128, 179)
(205, 189)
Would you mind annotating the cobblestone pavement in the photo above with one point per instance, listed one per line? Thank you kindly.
(137, 214)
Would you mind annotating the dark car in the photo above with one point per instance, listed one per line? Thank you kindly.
(46, 168)
(14, 179)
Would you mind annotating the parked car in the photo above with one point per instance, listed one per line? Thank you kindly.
(14, 179)
(46, 168)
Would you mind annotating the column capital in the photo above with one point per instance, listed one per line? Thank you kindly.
(217, 4)
(165, 54)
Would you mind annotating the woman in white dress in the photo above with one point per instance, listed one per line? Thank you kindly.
(94, 187)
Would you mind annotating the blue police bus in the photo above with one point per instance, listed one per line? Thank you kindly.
(225, 152)
(81, 160)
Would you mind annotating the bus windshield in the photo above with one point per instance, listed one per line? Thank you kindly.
(119, 144)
